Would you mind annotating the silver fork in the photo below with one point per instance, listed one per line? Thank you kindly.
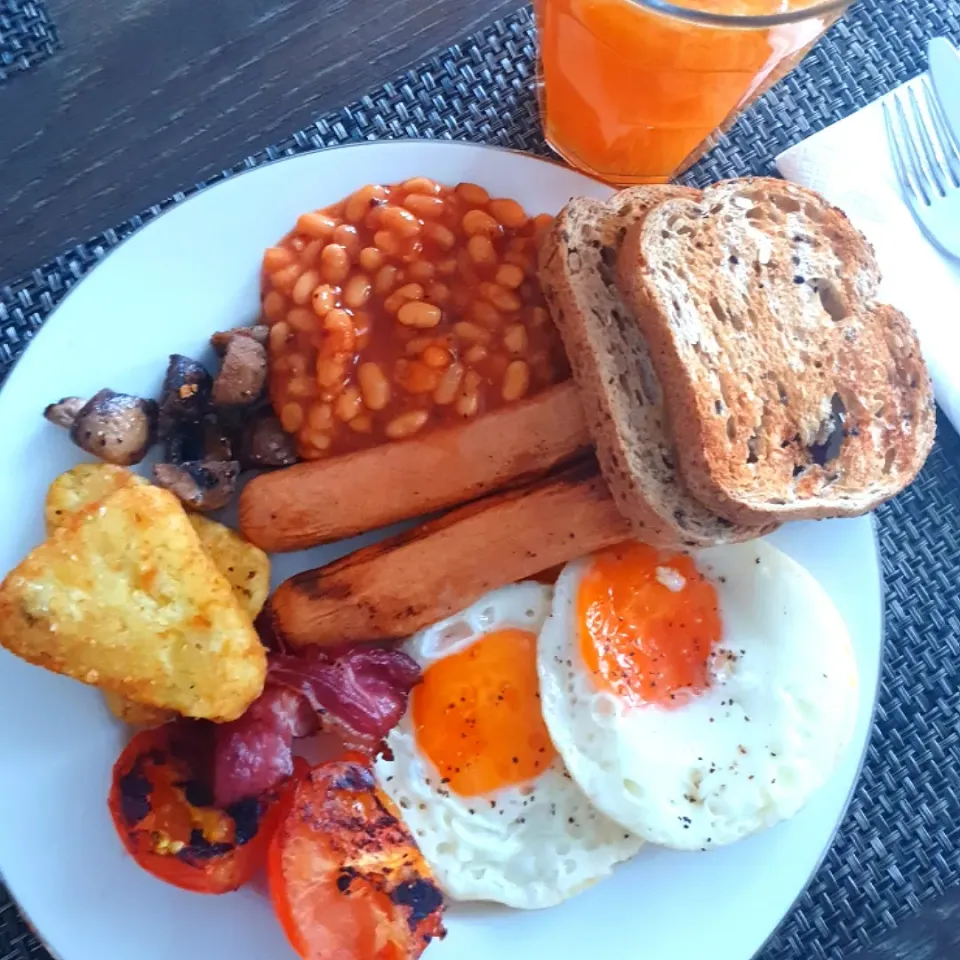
(926, 158)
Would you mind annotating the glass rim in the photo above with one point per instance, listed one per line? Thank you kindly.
(680, 12)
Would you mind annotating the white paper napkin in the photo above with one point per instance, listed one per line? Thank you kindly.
(849, 163)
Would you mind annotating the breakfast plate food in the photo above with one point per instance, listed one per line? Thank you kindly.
(612, 694)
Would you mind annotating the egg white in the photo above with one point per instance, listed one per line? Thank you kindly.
(744, 754)
(530, 845)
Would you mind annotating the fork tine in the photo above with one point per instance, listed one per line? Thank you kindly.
(949, 145)
(896, 154)
(934, 168)
(913, 157)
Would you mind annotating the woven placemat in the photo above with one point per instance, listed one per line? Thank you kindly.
(27, 35)
(900, 843)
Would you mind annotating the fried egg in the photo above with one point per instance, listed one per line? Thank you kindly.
(696, 700)
(474, 773)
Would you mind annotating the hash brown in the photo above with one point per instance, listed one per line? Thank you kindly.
(124, 597)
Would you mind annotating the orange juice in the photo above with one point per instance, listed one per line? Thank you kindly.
(632, 94)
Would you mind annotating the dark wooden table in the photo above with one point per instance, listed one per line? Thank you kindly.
(146, 97)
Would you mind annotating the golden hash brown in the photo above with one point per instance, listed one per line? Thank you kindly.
(81, 487)
(246, 567)
(136, 714)
(124, 597)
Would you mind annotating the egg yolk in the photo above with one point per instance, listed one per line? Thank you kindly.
(648, 623)
(477, 715)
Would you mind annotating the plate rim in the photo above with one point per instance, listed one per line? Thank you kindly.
(204, 189)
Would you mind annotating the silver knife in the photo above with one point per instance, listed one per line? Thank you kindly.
(945, 70)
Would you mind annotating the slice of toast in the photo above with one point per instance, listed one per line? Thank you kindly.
(792, 393)
(611, 363)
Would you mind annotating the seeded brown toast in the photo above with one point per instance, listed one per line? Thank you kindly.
(611, 364)
(792, 393)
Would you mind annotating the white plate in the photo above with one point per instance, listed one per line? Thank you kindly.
(192, 271)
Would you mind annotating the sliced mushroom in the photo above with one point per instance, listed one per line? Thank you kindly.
(208, 439)
(264, 443)
(64, 413)
(220, 341)
(186, 392)
(202, 485)
(115, 427)
(243, 374)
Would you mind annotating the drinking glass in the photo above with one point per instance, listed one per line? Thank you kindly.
(634, 91)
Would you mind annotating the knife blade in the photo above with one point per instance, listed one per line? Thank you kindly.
(945, 69)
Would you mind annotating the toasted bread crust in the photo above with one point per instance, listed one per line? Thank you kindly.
(610, 362)
(792, 393)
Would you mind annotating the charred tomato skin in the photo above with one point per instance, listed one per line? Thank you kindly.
(162, 809)
(346, 877)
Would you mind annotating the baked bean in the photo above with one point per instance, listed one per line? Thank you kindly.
(473, 194)
(521, 260)
(302, 387)
(320, 442)
(429, 208)
(311, 252)
(470, 332)
(458, 272)
(480, 223)
(284, 279)
(301, 320)
(304, 287)
(416, 377)
(399, 221)
(385, 280)
(274, 258)
(516, 381)
(409, 291)
(274, 306)
(348, 404)
(442, 236)
(330, 371)
(361, 424)
(371, 259)
(341, 337)
(438, 293)
(417, 313)
(502, 299)
(360, 203)
(347, 236)
(541, 224)
(509, 214)
(374, 386)
(320, 417)
(279, 335)
(481, 251)
(449, 384)
(422, 185)
(421, 271)
(476, 354)
(515, 339)
(407, 424)
(485, 313)
(334, 263)
(291, 417)
(387, 242)
(356, 291)
(510, 276)
(316, 224)
(411, 251)
(324, 299)
(436, 357)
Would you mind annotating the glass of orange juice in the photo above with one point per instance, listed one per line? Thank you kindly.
(634, 91)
